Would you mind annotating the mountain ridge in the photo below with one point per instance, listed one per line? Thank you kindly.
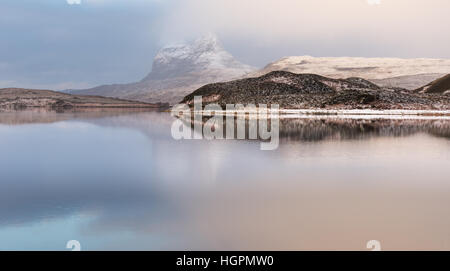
(178, 70)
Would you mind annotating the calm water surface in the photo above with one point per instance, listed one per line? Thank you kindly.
(118, 181)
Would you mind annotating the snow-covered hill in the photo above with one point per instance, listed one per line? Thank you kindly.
(177, 71)
(409, 73)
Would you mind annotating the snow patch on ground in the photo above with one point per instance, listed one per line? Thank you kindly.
(282, 80)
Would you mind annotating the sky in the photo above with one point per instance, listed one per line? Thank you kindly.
(64, 44)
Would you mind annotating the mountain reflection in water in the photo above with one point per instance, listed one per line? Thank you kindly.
(118, 180)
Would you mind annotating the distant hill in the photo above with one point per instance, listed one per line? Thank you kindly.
(408, 81)
(304, 91)
(387, 72)
(178, 70)
(441, 85)
(22, 98)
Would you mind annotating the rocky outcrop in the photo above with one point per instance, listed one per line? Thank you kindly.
(309, 91)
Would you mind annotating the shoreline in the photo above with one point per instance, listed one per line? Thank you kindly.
(332, 112)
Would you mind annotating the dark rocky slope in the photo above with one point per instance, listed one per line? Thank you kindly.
(441, 85)
(308, 91)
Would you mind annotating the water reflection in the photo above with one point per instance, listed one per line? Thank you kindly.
(42, 115)
(343, 129)
(317, 128)
(118, 180)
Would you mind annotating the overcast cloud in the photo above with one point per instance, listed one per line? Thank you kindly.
(79, 43)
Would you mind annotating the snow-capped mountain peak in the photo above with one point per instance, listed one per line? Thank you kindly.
(203, 54)
(179, 69)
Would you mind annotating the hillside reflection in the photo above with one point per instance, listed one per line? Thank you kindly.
(325, 129)
(335, 128)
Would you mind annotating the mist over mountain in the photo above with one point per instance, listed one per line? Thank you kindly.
(178, 70)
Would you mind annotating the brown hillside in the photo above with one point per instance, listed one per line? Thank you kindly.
(440, 85)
